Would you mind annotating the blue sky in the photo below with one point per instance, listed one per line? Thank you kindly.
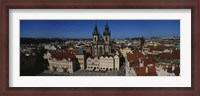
(84, 28)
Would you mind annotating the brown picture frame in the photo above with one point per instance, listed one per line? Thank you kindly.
(99, 4)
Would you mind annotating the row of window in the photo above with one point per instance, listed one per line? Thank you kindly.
(103, 68)
(62, 66)
(63, 61)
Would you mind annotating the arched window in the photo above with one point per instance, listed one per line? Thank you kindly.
(106, 38)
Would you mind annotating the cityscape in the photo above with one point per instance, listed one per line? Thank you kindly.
(99, 48)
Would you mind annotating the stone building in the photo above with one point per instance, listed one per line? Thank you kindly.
(104, 62)
(62, 61)
(101, 44)
(81, 58)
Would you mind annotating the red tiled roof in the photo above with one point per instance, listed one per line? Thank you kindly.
(133, 60)
(131, 56)
(149, 60)
(134, 63)
(138, 54)
(62, 55)
(152, 71)
(141, 71)
(174, 55)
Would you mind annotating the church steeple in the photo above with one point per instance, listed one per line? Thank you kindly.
(95, 32)
(106, 31)
(106, 34)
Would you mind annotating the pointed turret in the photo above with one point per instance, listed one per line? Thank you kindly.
(95, 32)
(106, 31)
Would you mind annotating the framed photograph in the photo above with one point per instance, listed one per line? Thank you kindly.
(100, 47)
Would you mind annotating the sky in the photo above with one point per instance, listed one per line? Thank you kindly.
(84, 28)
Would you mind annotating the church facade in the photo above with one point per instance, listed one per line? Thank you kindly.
(101, 44)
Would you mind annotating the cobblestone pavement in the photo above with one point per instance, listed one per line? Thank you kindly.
(82, 72)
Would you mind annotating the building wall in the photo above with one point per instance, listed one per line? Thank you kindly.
(107, 63)
(62, 65)
(116, 63)
(81, 60)
(107, 48)
(108, 39)
(92, 63)
(101, 50)
(103, 63)
(95, 38)
(95, 50)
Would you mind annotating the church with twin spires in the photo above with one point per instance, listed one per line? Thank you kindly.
(101, 44)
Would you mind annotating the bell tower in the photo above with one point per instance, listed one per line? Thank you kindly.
(95, 34)
(95, 41)
(106, 34)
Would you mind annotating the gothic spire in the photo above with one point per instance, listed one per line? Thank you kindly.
(95, 32)
(106, 31)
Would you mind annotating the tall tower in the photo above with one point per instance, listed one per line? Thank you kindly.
(106, 35)
(95, 34)
(95, 41)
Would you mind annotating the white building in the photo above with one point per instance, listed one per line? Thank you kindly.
(63, 65)
(92, 63)
(62, 62)
(116, 62)
(106, 62)
(103, 63)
